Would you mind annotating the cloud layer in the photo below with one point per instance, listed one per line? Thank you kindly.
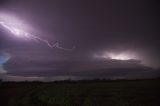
(94, 27)
(4, 57)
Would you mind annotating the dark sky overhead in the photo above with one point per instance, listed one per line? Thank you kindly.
(91, 39)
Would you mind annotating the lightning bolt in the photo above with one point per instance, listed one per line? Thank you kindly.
(21, 33)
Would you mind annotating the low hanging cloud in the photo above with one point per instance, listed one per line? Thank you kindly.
(58, 70)
(22, 78)
(2, 70)
(4, 57)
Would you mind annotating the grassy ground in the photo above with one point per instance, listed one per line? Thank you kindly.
(110, 93)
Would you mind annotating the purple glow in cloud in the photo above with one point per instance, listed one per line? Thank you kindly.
(18, 29)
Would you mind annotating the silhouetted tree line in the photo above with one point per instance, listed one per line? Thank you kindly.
(72, 81)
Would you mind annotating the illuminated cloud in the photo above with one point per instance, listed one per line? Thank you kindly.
(4, 57)
(124, 55)
(113, 39)
(19, 30)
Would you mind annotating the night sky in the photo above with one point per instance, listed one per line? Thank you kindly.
(111, 39)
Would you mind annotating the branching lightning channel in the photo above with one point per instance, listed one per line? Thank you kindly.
(52, 45)
(21, 33)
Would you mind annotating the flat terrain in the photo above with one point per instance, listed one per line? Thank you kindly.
(106, 93)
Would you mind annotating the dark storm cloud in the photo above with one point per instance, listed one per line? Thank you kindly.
(83, 69)
(2, 2)
(92, 26)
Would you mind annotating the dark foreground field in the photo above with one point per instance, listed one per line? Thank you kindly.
(108, 93)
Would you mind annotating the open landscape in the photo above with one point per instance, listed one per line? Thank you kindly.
(81, 93)
(79, 53)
